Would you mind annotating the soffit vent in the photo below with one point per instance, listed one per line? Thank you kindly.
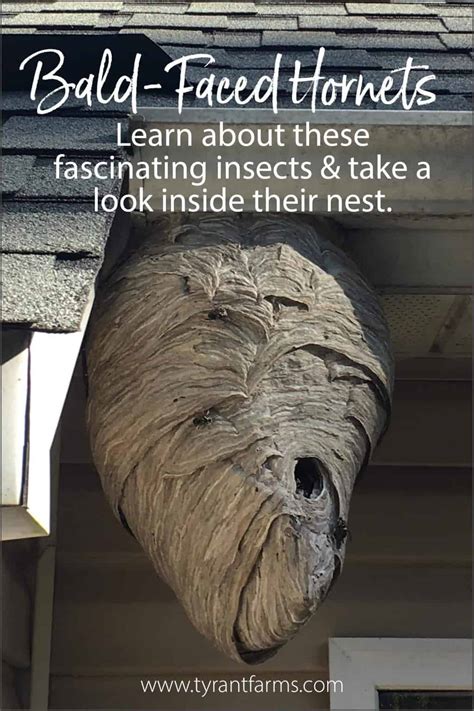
(424, 324)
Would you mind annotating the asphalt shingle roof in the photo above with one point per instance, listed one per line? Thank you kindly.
(46, 292)
(53, 242)
(41, 134)
(256, 30)
(434, 19)
(52, 228)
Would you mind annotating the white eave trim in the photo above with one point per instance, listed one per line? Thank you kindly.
(51, 359)
(325, 117)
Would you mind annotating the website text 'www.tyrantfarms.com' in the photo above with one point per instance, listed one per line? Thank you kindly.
(244, 685)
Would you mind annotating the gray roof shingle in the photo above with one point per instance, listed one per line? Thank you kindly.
(251, 40)
(241, 22)
(46, 292)
(15, 170)
(176, 8)
(409, 25)
(378, 8)
(438, 61)
(460, 40)
(298, 9)
(456, 24)
(231, 8)
(42, 183)
(465, 10)
(43, 134)
(308, 38)
(188, 38)
(52, 228)
(339, 22)
(162, 20)
(52, 19)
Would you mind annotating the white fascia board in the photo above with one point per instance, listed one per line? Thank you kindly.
(15, 367)
(51, 361)
(325, 117)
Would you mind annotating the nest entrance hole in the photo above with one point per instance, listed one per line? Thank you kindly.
(308, 477)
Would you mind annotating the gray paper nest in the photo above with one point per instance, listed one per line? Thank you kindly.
(240, 376)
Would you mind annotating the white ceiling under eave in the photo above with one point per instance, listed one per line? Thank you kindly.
(422, 266)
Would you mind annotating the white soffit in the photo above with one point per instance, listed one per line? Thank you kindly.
(459, 340)
(414, 258)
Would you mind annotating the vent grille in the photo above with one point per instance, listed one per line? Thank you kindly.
(416, 320)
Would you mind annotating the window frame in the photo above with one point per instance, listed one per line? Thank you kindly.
(367, 665)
